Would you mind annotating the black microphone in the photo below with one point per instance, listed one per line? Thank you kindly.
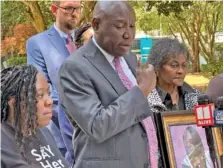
(204, 117)
(219, 103)
(218, 113)
(203, 99)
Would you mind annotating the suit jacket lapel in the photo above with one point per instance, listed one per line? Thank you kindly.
(98, 60)
(58, 42)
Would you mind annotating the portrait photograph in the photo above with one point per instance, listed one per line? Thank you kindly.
(186, 144)
(190, 146)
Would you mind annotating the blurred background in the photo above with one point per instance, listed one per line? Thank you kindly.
(198, 24)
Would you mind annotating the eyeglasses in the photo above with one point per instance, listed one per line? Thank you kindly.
(71, 10)
(177, 66)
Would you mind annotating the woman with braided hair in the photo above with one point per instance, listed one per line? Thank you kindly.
(26, 108)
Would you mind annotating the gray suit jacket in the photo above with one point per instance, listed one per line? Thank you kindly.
(105, 115)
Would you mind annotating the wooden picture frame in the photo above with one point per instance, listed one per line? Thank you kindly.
(184, 144)
(218, 143)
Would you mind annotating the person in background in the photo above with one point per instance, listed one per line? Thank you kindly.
(170, 59)
(105, 96)
(47, 51)
(83, 34)
(26, 108)
(215, 87)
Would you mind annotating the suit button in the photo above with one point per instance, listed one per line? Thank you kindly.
(146, 165)
(144, 135)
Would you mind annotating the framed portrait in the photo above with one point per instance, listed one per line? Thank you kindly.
(186, 145)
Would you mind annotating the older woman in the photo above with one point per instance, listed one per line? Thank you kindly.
(26, 108)
(170, 59)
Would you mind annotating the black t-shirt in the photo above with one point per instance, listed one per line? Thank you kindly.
(40, 152)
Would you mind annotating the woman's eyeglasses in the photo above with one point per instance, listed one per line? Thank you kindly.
(177, 66)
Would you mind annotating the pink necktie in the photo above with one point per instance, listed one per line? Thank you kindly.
(147, 122)
(125, 80)
(153, 143)
(70, 45)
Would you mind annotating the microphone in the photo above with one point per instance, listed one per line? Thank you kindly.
(205, 117)
(218, 113)
(204, 111)
(203, 99)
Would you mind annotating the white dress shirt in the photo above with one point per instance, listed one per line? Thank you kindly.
(124, 65)
(64, 35)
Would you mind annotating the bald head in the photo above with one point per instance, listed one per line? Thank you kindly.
(114, 26)
(103, 8)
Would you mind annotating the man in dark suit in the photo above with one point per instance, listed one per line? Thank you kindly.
(47, 51)
(103, 94)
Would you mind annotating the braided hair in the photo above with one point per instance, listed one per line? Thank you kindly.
(18, 82)
(79, 34)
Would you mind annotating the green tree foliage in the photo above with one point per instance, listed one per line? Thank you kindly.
(212, 15)
(16, 60)
(167, 7)
(36, 12)
(35, 15)
(12, 13)
(87, 10)
(188, 23)
(15, 44)
(148, 20)
(46, 11)
(214, 66)
(18, 20)
(196, 23)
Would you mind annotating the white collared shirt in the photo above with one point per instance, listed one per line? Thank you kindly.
(62, 34)
(124, 65)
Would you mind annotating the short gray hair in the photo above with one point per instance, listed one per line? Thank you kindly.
(166, 49)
